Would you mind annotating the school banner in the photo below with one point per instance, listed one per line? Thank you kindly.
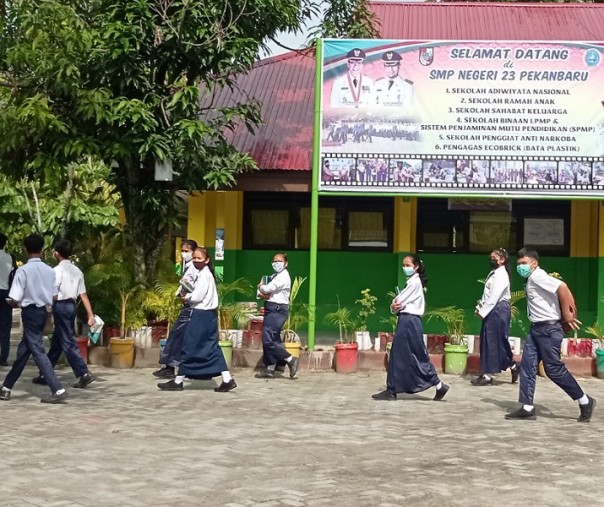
(492, 117)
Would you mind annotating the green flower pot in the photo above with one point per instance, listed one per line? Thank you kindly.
(227, 350)
(456, 359)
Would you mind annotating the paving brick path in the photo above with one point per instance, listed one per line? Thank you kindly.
(316, 441)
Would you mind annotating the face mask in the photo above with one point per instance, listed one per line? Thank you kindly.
(493, 263)
(199, 264)
(278, 266)
(524, 270)
(408, 270)
(186, 256)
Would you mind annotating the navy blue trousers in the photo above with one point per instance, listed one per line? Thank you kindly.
(409, 366)
(272, 346)
(173, 349)
(495, 351)
(6, 322)
(64, 314)
(543, 344)
(34, 319)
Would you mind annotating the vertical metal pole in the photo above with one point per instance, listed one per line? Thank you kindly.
(314, 199)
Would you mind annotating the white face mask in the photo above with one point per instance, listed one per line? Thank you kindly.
(278, 266)
(186, 256)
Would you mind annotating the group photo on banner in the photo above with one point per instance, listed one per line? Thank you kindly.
(516, 116)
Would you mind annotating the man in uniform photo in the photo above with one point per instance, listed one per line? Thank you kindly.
(353, 89)
(393, 90)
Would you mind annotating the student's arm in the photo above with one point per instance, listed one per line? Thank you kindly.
(88, 307)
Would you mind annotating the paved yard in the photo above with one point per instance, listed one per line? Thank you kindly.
(319, 440)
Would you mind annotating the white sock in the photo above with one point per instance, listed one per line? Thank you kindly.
(179, 379)
(439, 386)
(486, 377)
(60, 391)
(289, 359)
(226, 376)
(583, 400)
(528, 408)
(6, 389)
(271, 367)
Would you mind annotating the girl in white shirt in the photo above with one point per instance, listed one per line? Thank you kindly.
(495, 312)
(409, 366)
(201, 356)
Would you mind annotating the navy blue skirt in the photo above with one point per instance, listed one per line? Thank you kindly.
(409, 366)
(201, 356)
(495, 351)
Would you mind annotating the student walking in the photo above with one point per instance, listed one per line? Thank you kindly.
(201, 356)
(409, 366)
(495, 311)
(550, 306)
(170, 357)
(70, 286)
(6, 311)
(276, 309)
(33, 289)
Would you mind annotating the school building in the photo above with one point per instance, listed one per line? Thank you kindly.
(362, 239)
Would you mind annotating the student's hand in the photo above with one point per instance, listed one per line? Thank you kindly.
(396, 307)
(90, 320)
(478, 315)
(571, 325)
(12, 302)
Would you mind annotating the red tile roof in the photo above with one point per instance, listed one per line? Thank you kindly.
(285, 84)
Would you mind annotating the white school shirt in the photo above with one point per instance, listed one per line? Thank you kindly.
(70, 280)
(542, 297)
(412, 297)
(34, 284)
(205, 294)
(496, 288)
(6, 266)
(278, 287)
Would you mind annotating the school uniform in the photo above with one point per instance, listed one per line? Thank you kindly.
(276, 311)
(409, 366)
(6, 311)
(70, 285)
(172, 351)
(494, 308)
(544, 339)
(34, 287)
(201, 356)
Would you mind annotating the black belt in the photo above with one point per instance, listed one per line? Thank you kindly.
(277, 306)
(65, 301)
(545, 323)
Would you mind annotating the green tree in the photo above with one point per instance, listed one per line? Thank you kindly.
(130, 82)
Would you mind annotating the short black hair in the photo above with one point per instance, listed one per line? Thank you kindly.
(3, 240)
(63, 248)
(527, 251)
(34, 244)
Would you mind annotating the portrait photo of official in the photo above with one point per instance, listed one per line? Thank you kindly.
(353, 89)
(393, 90)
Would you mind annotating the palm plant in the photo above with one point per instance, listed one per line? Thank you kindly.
(342, 318)
(230, 312)
(454, 320)
(298, 313)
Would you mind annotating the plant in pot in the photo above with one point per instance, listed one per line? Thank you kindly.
(456, 350)
(297, 316)
(346, 349)
(596, 331)
(367, 307)
(232, 313)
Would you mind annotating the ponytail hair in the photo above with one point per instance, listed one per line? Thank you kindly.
(503, 253)
(421, 270)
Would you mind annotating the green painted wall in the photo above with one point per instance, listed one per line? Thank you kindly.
(453, 280)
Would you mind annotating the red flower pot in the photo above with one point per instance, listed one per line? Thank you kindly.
(346, 357)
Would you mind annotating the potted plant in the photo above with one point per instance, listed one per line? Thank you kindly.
(346, 349)
(367, 307)
(298, 316)
(232, 313)
(456, 350)
(595, 330)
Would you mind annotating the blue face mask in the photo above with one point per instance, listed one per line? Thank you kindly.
(408, 270)
(278, 266)
(524, 270)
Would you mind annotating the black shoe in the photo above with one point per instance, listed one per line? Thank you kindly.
(529, 415)
(515, 370)
(587, 410)
(167, 373)
(55, 398)
(293, 367)
(280, 368)
(384, 395)
(481, 381)
(4, 363)
(226, 386)
(85, 380)
(266, 373)
(440, 393)
(5, 395)
(170, 386)
(40, 380)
